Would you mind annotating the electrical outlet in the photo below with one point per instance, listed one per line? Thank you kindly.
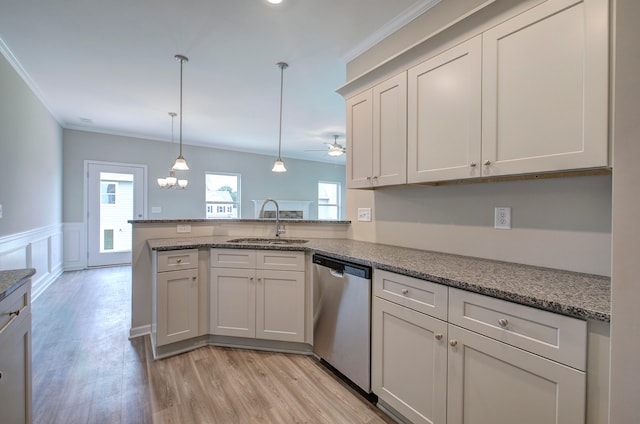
(183, 228)
(364, 214)
(502, 218)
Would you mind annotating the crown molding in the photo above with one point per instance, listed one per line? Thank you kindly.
(389, 28)
(22, 73)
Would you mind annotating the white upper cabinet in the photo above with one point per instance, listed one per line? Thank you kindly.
(444, 119)
(390, 132)
(527, 95)
(545, 89)
(377, 135)
(360, 140)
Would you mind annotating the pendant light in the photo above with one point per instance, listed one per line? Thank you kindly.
(171, 180)
(180, 164)
(278, 166)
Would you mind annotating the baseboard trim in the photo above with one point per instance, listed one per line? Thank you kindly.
(143, 330)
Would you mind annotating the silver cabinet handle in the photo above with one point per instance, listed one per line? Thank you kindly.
(453, 342)
(439, 336)
(472, 164)
(502, 322)
(487, 162)
(405, 291)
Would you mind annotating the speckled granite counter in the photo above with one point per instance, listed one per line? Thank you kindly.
(13, 279)
(568, 293)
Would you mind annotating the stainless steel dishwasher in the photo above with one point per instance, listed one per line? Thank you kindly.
(342, 317)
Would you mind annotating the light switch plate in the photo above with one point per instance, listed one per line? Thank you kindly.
(0, 211)
(364, 214)
(184, 228)
(156, 209)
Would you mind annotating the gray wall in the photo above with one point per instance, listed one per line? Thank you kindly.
(31, 156)
(300, 182)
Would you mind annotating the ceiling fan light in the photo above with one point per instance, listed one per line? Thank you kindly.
(275, 1)
(333, 151)
(278, 166)
(180, 164)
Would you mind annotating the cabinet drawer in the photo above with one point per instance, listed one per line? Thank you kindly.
(557, 337)
(280, 260)
(420, 295)
(233, 258)
(172, 260)
(19, 300)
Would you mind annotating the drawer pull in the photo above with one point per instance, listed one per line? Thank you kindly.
(453, 342)
(405, 292)
(503, 322)
(439, 336)
(16, 313)
(179, 260)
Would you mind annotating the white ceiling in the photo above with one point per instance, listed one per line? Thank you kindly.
(108, 66)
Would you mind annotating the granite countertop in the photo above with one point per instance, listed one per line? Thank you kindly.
(13, 279)
(226, 220)
(569, 293)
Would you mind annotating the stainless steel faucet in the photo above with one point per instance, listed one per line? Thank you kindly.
(261, 215)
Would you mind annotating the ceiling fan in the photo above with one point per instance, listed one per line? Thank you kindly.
(334, 149)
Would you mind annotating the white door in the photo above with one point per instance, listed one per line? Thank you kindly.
(115, 195)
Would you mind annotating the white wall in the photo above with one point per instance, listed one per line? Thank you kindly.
(625, 321)
(31, 175)
(300, 182)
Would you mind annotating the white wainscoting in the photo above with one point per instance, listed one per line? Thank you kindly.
(40, 248)
(75, 246)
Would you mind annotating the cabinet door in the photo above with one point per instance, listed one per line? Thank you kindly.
(390, 132)
(409, 362)
(280, 305)
(492, 382)
(15, 371)
(232, 300)
(444, 121)
(360, 140)
(545, 89)
(177, 307)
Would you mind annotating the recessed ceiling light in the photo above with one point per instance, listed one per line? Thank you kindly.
(275, 1)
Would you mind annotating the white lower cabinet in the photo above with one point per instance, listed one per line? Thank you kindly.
(15, 356)
(409, 350)
(257, 294)
(493, 382)
(176, 297)
(511, 364)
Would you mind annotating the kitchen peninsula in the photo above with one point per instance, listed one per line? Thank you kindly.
(583, 299)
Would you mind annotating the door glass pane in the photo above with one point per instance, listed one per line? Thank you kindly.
(116, 209)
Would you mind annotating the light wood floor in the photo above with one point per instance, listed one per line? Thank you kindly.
(85, 370)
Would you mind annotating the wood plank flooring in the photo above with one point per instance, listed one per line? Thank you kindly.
(85, 370)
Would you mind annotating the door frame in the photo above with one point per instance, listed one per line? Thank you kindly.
(85, 210)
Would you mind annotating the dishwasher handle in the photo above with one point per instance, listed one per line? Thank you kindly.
(336, 273)
(342, 267)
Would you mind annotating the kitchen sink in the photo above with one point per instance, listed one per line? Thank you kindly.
(262, 240)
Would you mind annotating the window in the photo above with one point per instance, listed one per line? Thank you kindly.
(107, 193)
(328, 200)
(222, 195)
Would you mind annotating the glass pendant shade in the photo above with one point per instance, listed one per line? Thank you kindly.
(180, 164)
(162, 182)
(278, 166)
(183, 183)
